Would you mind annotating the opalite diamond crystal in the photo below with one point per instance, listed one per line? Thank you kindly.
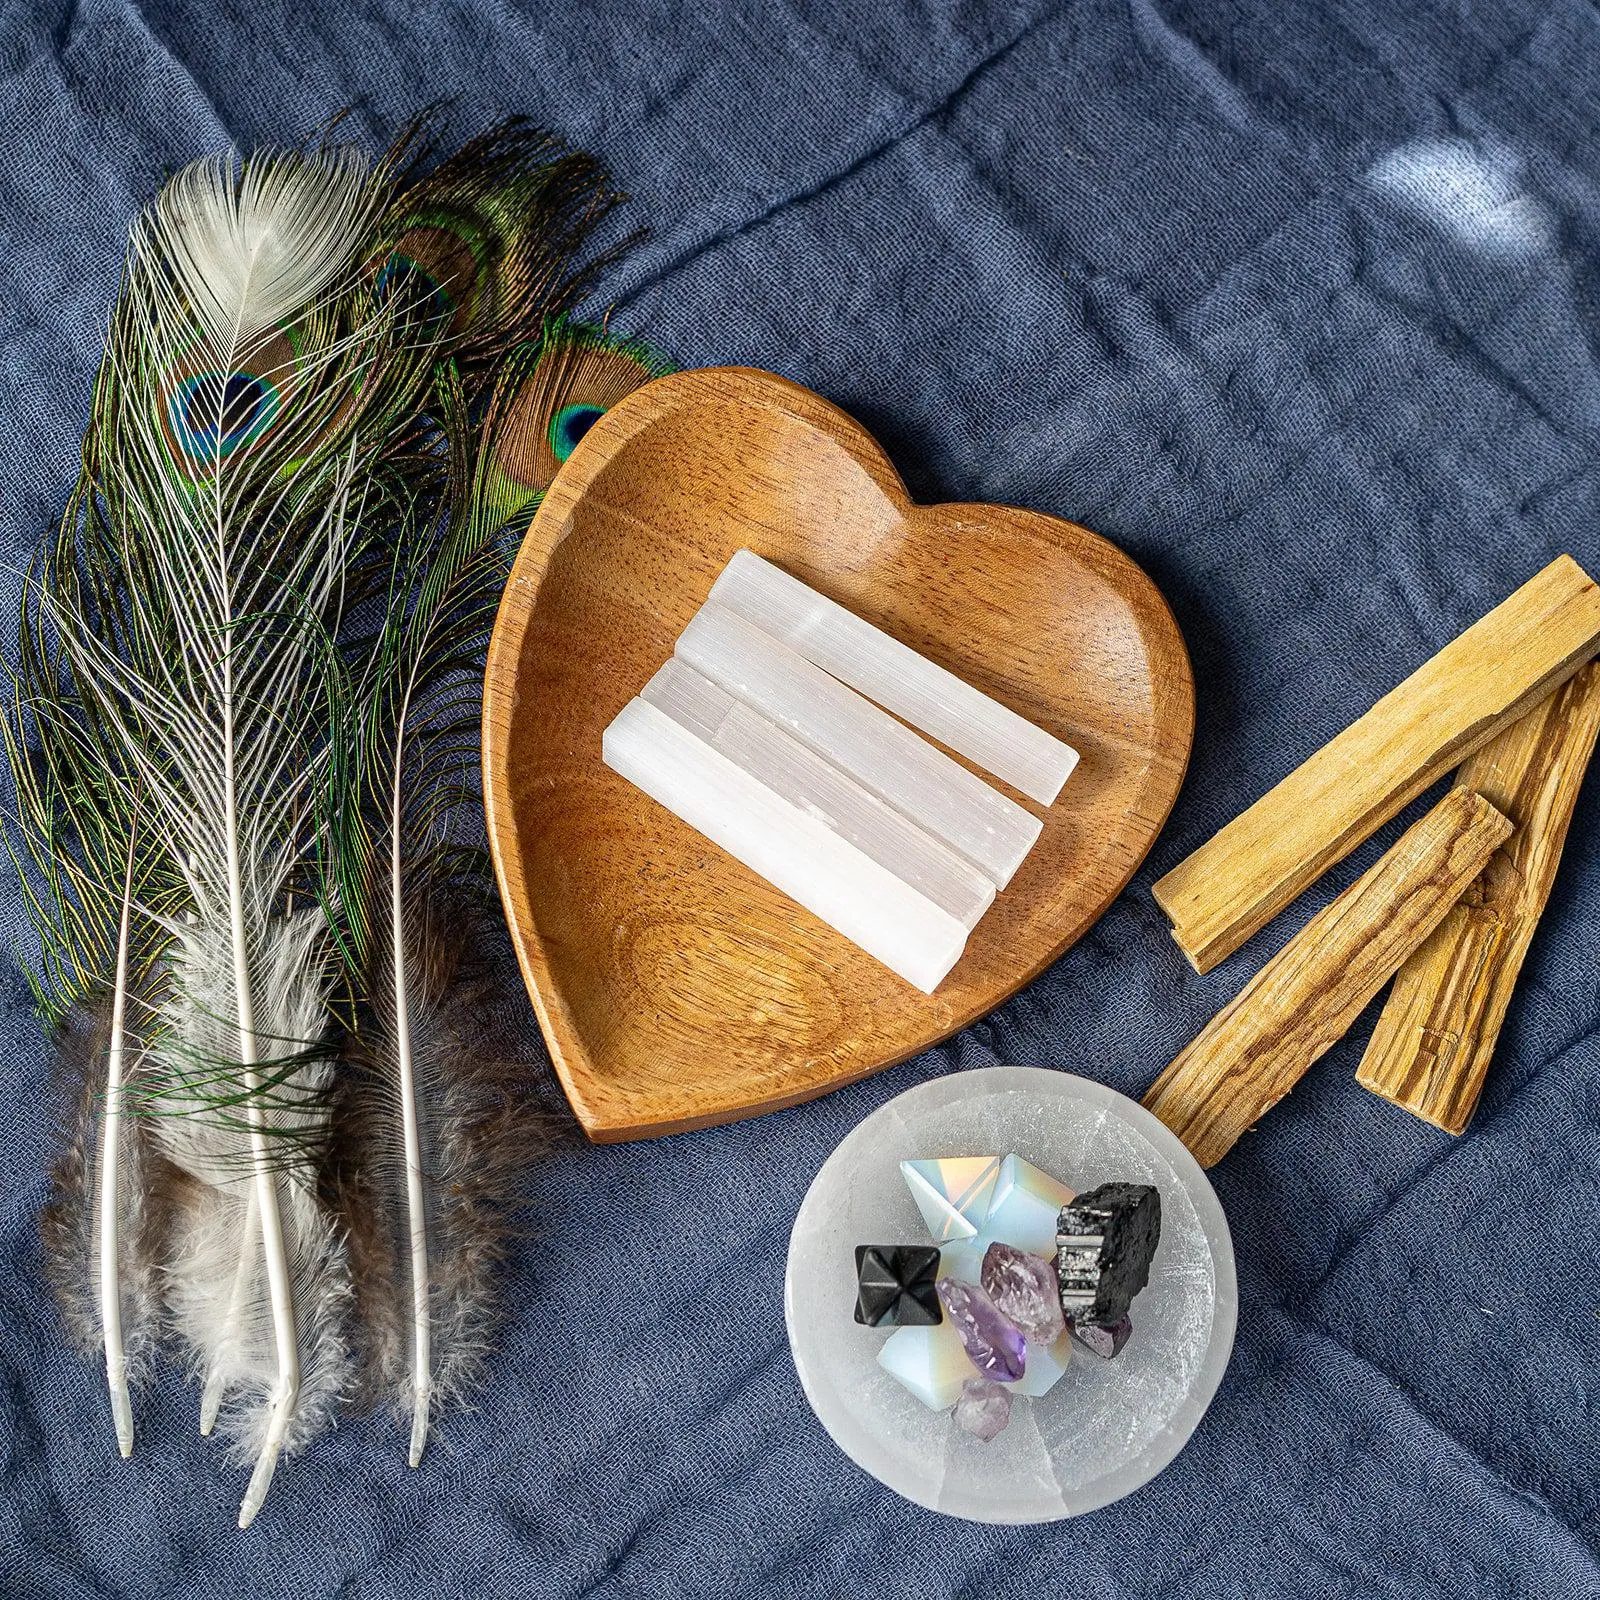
(931, 1362)
(1025, 1207)
(953, 1194)
(1104, 1342)
(1105, 1242)
(895, 1285)
(1024, 1290)
(993, 1344)
(984, 1408)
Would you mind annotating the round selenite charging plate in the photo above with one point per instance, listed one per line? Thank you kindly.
(1107, 1426)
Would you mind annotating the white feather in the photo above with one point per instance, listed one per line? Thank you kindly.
(251, 248)
(221, 687)
(218, 1292)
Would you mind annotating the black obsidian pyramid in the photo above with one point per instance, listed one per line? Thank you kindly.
(1105, 1242)
(895, 1285)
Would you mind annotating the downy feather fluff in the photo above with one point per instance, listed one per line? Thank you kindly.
(109, 1285)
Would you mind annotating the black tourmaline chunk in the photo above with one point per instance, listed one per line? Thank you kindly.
(895, 1285)
(1105, 1241)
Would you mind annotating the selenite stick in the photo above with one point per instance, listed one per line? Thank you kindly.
(921, 782)
(1300, 1004)
(1487, 677)
(804, 779)
(896, 677)
(794, 851)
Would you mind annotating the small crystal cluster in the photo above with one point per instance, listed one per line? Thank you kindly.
(1019, 1264)
(984, 1408)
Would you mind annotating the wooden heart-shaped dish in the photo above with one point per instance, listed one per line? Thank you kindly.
(675, 987)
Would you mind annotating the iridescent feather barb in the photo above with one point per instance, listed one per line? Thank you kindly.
(243, 746)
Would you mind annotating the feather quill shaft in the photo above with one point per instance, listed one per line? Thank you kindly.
(110, 1172)
(416, 1215)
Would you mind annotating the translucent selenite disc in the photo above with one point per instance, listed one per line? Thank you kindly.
(1107, 1426)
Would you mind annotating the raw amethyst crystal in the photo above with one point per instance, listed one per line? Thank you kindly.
(1105, 1242)
(1104, 1342)
(1024, 1290)
(983, 1409)
(993, 1344)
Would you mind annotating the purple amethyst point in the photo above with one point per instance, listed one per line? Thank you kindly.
(993, 1344)
(1024, 1290)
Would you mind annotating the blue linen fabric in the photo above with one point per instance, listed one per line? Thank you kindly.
(1296, 300)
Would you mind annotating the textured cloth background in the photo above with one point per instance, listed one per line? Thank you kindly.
(1298, 301)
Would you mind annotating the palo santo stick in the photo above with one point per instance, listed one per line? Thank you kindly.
(1431, 1049)
(1481, 681)
(1258, 1047)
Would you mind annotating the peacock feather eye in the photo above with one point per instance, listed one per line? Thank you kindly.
(580, 374)
(437, 267)
(569, 425)
(409, 281)
(210, 415)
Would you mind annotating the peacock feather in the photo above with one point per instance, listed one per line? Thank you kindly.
(432, 1151)
(244, 741)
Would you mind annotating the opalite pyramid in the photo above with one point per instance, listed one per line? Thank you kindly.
(954, 1194)
(931, 1362)
(1025, 1207)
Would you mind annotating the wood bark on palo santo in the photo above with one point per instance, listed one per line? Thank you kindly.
(1259, 1046)
(1481, 681)
(1431, 1049)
